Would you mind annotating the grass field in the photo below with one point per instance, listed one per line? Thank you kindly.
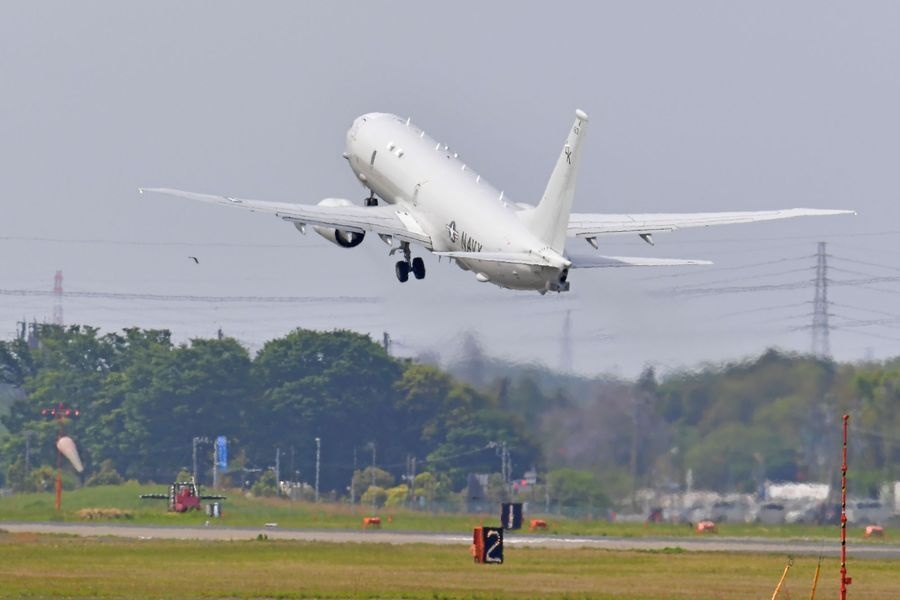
(254, 512)
(33, 566)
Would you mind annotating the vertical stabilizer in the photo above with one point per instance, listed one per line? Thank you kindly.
(550, 219)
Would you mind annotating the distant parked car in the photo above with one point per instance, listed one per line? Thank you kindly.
(867, 511)
(729, 511)
(771, 514)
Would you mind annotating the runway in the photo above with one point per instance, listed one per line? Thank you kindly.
(512, 539)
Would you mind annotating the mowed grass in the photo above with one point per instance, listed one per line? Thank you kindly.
(61, 566)
(239, 510)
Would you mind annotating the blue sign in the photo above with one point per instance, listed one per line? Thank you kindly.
(222, 452)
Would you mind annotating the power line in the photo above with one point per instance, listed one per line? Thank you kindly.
(869, 310)
(867, 263)
(196, 298)
(745, 278)
(731, 268)
(111, 242)
(763, 309)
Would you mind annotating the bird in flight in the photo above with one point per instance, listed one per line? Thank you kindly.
(194, 258)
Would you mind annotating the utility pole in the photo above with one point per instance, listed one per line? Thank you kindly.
(373, 464)
(412, 481)
(505, 463)
(633, 460)
(277, 468)
(373, 474)
(28, 435)
(508, 476)
(197, 440)
(292, 467)
(353, 480)
(318, 455)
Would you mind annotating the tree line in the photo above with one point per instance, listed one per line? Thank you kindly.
(143, 399)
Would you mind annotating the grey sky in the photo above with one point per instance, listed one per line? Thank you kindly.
(694, 106)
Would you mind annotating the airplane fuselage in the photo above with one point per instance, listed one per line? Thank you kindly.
(452, 203)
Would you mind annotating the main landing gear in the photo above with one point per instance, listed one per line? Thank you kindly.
(408, 264)
(371, 200)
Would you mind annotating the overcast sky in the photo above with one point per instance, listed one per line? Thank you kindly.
(695, 106)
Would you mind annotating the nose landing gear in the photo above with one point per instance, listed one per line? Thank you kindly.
(414, 265)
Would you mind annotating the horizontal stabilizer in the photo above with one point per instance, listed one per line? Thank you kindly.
(515, 258)
(592, 225)
(602, 262)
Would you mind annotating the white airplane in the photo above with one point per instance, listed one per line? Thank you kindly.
(433, 199)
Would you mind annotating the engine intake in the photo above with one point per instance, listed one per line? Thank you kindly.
(344, 239)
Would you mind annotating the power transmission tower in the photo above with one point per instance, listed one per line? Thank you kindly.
(820, 345)
(58, 295)
(565, 355)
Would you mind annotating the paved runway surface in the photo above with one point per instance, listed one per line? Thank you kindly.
(706, 544)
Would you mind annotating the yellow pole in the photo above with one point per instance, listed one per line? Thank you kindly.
(812, 594)
(787, 568)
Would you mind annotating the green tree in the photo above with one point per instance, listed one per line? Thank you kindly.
(576, 488)
(338, 386)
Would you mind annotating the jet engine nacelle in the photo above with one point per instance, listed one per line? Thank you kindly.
(344, 239)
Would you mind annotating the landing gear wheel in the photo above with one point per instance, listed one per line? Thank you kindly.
(371, 201)
(402, 271)
(418, 267)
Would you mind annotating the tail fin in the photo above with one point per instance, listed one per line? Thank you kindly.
(550, 219)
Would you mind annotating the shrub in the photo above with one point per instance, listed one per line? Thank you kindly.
(107, 475)
(375, 495)
(265, 485)
(397, 496)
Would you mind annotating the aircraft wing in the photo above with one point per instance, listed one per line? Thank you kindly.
(385, 220)
(590, 225)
